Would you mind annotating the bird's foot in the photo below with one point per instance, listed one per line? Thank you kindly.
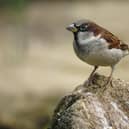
(109, 81)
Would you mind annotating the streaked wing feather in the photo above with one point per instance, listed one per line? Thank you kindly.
(113, 41)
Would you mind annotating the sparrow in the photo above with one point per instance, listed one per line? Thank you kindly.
(97, 46)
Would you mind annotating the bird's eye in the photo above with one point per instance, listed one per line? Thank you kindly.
(83, 28)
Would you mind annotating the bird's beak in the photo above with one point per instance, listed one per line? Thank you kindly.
(72, 28)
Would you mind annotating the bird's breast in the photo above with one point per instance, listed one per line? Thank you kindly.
(81, 51)
(83, 47)
(97, 53)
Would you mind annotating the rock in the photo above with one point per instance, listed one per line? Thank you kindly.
(94, 106)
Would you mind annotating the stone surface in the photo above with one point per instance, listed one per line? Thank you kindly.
(94, 106)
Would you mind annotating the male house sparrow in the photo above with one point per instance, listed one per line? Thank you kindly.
(97, 46)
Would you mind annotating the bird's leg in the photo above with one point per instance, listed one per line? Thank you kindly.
(91, 75)
(109, 78)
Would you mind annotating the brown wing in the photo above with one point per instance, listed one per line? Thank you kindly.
(113, 41)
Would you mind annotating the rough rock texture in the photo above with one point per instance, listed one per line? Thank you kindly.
(94, 106)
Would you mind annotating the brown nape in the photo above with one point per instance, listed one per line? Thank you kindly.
(94, 28)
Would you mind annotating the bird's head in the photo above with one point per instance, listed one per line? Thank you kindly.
(79, 26)
(84, 29)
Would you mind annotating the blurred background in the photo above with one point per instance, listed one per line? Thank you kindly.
(37, 62)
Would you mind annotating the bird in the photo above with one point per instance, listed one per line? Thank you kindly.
(97, 46)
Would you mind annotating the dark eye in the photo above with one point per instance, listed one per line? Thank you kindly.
(82, 28)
